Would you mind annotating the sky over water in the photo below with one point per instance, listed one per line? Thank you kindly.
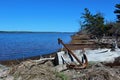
(50, 15)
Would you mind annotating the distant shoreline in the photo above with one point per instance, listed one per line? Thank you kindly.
(31, 32)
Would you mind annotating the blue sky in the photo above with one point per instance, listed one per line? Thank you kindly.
(50, 15)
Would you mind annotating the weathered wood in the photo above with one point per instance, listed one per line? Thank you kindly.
(60, 41)
(82, 42)
(80, 37)
(80, 46)
(43, 59)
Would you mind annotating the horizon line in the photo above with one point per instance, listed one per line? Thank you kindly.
(34, 32)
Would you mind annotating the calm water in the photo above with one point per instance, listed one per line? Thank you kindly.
(22, 45)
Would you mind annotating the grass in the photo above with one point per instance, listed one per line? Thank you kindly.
(62, 76)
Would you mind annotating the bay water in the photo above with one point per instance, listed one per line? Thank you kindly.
(23, 45)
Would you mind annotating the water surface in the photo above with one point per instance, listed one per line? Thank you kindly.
(23, 45)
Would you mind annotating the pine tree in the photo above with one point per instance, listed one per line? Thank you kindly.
(117, 12)
(93, 23)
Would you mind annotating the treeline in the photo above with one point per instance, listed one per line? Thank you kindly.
(95, 23)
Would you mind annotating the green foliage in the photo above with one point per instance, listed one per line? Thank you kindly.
(110, 28)
(61, 75)
(117, 12)
(94, 24)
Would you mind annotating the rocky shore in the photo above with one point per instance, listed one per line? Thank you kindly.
(45, 70)
(18, 61)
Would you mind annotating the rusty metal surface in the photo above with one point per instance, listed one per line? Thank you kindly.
(74, 66)
(60, 41)
(78, 67)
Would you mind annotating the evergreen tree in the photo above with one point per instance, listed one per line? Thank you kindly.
(117, 12)
(94, 24)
